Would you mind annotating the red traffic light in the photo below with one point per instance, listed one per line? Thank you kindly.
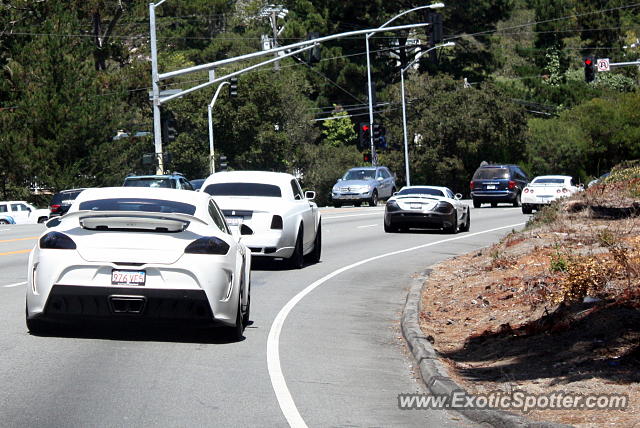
(365, 128)
(366, 157)
(588, 61)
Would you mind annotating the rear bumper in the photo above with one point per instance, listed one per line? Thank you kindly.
(428, 220)
(497, 196)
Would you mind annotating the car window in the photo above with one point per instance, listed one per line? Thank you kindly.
(421, 191)
(297, 192)
(450, 194)
(150, 182)
(244, 189)
(138, 204)
(385, 173)
(3, 208)
(19, 207)
(360, 174)
(217, 217)
(491, 173)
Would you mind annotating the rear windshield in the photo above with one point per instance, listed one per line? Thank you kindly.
(150, 182)
(360, 174)
(548, 181)
(243, 189)
(491, 173)
(432, 192)
(135, 204)
(58, 198)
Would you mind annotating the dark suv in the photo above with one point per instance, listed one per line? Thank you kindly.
(498, 183)
(62, 200)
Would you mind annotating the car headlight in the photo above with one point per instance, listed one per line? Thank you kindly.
(392, 206)
(444, 208)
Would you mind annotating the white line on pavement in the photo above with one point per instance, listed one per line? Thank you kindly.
(287, 405)
(368, 225)
(13, 285)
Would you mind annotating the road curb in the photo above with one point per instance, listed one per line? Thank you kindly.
(435, 375)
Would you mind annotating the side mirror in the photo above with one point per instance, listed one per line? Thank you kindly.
(379, 178)
(395, 193)
(310, 195)
(458, 196)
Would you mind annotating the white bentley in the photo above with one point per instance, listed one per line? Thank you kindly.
(139, 253)
(275, 218)
(426, 207)
(545, 189)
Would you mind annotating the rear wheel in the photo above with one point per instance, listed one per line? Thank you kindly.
(467, 224)
(477, 204)
(314, 257)
(337, 204)
(357, 204)
(527, 209)
(516, 203)
(296, 261)
(389, 228)
(454, 226)
(494, 204)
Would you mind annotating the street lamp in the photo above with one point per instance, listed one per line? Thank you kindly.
(374, 158)
(212, 168)
(404, 109)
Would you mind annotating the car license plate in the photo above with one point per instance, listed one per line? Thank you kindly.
(491, 187)
(234, 221)
(128, 277)
(416, 206)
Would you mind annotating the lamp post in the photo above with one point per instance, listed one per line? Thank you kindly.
(404, 109)
(157, 129)
(431, 6)
(212, 167)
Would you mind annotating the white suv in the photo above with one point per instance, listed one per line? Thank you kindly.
(21, 212)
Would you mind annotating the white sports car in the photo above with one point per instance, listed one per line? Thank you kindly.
(275, 218)
(139, 253)
(426, 207)
(545, 189)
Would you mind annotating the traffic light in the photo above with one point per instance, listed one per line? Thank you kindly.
(222, 165)
(168, 123)
(148, 159)
(435, 36)
(366, 157)
(314, 52)
(364, 136)
(233, 87)
(589, 69)
(377, 129)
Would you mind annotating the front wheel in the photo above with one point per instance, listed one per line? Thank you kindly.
(42, 219)
(374, 199)
(314, 257)
(467, 224)
(236, 333)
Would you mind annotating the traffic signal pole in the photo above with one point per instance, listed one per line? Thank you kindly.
(157, 127)
(212, 165)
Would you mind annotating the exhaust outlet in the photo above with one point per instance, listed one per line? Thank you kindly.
(133, 305)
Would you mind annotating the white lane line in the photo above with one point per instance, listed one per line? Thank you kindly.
(13, 285)
(287, 405)
(351, 215)
(368, 225)
(2, 230)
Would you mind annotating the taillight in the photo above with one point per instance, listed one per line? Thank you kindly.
(276, 222)
(57, 241)
(444, 207)
(207, 245)
(558, 191)
(526, 190)
(472, 185)
(55, 208)
(564, 190)
(512, 184)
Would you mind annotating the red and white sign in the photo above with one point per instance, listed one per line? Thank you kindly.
(603, 64)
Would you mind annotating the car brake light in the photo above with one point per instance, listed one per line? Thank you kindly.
(526, 190)
(55, 208)
(207, 245)
(558, 191)
(512, 184)
(57, 241)
(472, 185)
(276, 222)
(564, 190)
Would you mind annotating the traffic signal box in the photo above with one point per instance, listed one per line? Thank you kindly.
(589, 69)
(364, 136)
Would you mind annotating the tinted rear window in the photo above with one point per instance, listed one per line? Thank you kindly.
(243, 189)
(135, 204)
(58, 198)
(432, 192)
(150, 182)
(548, 181)
(491, 173)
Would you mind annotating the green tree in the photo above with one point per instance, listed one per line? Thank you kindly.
(339, 130)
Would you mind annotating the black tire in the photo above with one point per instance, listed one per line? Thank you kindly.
(236, 333)
(34, 325)
(337, 204)
(3, 221)
(527, 209)
(314, 256)
(296, 261)
(358, 204)
(374, 199)
(477, 204)
(392, 192)
(467, 224)
(453, 229)
(389, 228)
(247, 313)
(516, 203)
(494, 204)
(42, 219)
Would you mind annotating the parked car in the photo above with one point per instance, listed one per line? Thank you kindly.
(276, 219)
(498, 183)
(21, 212)
(426, 207)
(599, 179)
(167, 181)
(197, 183)
(139, 254)
(363, 184)
(61, 201)
(545, 189)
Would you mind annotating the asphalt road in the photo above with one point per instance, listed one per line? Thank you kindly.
(324, 348)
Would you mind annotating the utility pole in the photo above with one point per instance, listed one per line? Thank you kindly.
(155, 80)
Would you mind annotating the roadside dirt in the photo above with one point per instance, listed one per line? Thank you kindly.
(555, 308)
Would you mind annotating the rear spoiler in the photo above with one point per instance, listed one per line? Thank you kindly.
(132, 220)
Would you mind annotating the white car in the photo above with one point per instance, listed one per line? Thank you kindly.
(21, 212)
(427, 207)
(545, 189)
(139, 253)
(275, 218)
